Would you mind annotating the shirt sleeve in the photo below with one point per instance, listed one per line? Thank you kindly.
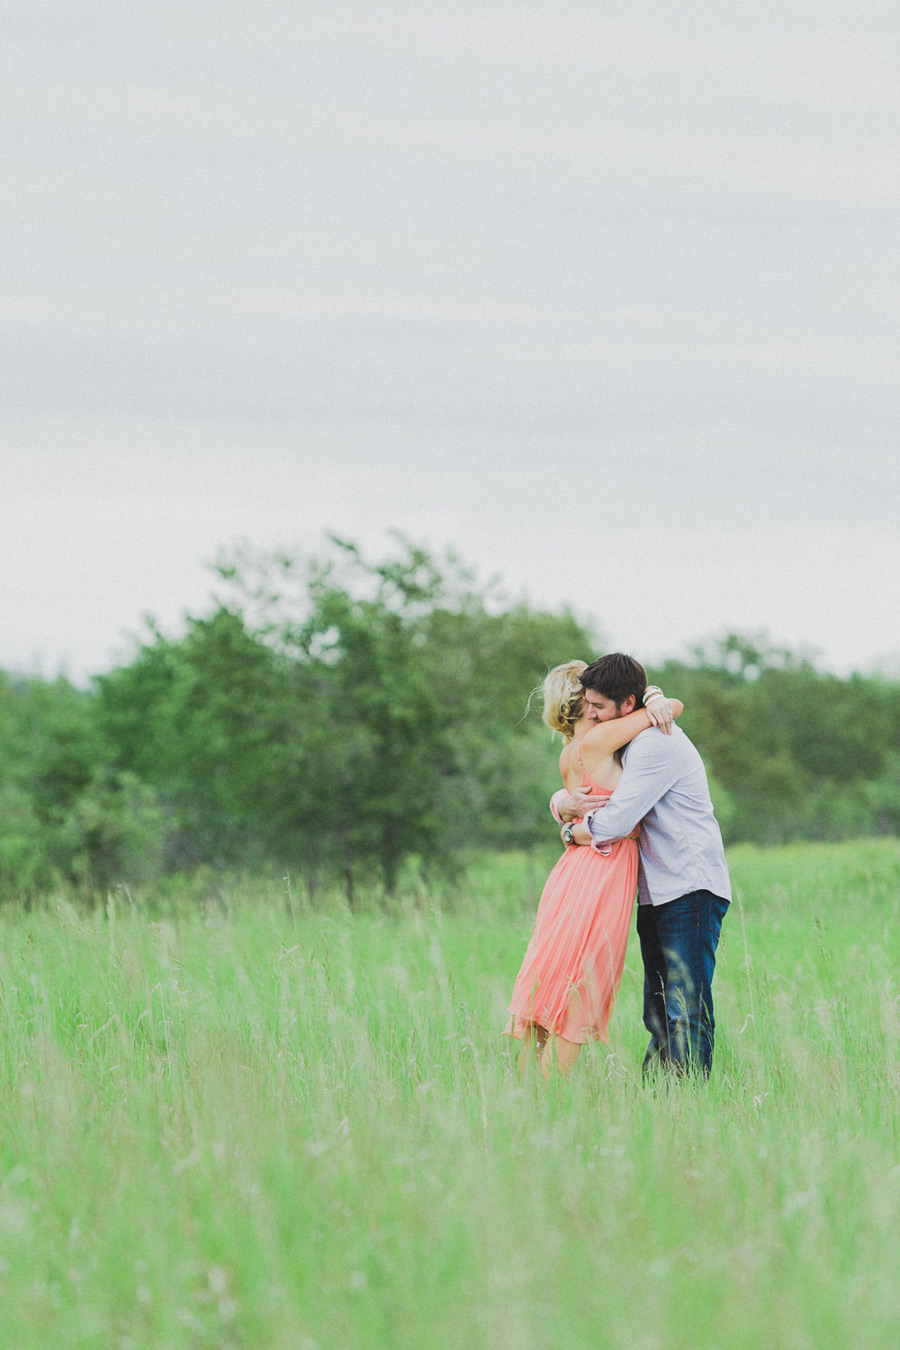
(554, 809)
(650, 770)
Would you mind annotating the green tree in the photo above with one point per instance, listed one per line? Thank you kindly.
(65, 818)
(413, 699)
(799, 752)
(206, 721)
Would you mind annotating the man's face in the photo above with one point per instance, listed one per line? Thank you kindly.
(601, 709)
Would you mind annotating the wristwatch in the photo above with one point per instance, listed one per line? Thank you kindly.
(568, 833)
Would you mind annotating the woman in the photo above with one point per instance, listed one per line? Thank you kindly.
(565, 989)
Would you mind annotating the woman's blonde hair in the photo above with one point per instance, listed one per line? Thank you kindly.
(562, 697)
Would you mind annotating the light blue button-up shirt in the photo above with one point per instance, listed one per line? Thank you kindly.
(664, 785)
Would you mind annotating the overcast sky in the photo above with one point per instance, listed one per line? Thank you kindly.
(602, 295)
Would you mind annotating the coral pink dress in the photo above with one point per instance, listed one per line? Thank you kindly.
(573, 963)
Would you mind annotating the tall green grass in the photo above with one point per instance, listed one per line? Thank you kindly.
(248, 1123)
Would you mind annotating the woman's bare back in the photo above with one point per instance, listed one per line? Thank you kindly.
(581, 757)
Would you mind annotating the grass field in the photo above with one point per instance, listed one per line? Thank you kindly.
(246, 1124)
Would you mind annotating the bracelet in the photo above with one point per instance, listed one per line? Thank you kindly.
(652, 691)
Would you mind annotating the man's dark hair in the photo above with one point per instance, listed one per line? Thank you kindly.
(616, 676)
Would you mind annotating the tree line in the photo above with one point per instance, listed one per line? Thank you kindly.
(337, 718)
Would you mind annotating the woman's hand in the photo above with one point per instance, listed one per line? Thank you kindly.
(662, 712)
(659, 710)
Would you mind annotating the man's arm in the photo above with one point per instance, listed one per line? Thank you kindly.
(650, 770)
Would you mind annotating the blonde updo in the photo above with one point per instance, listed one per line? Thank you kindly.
(562, 697)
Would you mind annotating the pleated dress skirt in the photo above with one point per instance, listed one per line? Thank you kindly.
(574, 961)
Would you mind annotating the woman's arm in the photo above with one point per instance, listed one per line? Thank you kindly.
(605, 738)
(580, 833)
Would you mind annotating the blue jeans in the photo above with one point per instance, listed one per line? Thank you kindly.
(678, 946)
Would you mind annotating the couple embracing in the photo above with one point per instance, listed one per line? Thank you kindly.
(636, 815)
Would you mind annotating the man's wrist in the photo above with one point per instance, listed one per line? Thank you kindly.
(588, 817)
(598, 845)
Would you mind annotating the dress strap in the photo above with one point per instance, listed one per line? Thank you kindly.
(589, 782)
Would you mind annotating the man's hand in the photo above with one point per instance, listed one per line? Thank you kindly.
(573, 805)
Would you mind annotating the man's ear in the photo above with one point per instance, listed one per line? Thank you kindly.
(629, 705)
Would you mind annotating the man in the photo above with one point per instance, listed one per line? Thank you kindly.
(683, 883)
